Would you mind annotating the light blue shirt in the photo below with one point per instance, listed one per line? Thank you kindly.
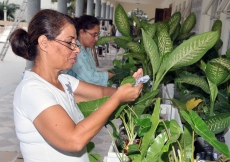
(85, 69)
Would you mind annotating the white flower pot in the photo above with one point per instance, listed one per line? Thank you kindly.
(113, 155)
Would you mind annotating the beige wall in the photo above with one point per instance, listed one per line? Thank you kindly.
(148, 9)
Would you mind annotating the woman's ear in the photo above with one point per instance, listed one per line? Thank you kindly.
(81, 32)
(43, 42)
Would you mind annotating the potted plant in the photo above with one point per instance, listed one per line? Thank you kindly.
(157, 57)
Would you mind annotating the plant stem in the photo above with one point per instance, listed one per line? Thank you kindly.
(113, 143)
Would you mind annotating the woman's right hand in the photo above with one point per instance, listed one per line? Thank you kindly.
(128, 92)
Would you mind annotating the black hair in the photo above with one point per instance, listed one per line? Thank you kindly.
(45, 22)
(86, 22)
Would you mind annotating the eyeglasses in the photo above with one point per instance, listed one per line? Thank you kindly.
(72, 46)
(93, 34)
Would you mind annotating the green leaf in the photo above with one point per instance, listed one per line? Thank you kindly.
(191, 50)
(139, 109)
(155, 149)
(147, 96)
(175, 131)
(143, 121)
(150, 134)
(128, 79)
(90, 106)
(216, 73)
(151, 29)
(152, 51)
(137, 21)
(122, 21)
(218, 123)
(202, 129)
(174, 22)
(185, 36)
(189, 23)
(217, 26)
(104, 40)
(225, 62)
(165, 44)
(195, 80)
(94, 157)
(187, 142)
(161, 25)
(90, 147)
(139, 56)
(135, 47)
(121, 42)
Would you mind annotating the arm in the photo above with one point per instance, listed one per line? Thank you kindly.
(86, 92)
(110, 75)
(55, 125)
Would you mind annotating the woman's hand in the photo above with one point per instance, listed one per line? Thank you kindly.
(138, 74)
(129, 92)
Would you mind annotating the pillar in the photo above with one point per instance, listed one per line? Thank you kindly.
(111, 12)
(32, 8)
(225, 29)
(5, 16)
(79, 8)
(107, 14)
(103, 8)
(98, 8)
(62, 6)
(89, 7)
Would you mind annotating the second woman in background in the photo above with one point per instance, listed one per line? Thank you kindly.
(85, 68)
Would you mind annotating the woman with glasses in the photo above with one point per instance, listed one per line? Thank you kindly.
(48, 122)
(84, 69)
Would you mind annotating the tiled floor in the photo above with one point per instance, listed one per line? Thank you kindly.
(9, 144)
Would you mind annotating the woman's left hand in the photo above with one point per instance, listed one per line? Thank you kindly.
(138, 74)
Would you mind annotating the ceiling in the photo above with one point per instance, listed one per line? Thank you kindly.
(143, 2)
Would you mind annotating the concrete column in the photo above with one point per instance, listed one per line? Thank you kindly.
(79, 8)
(89, 7)
(98, 8)
(5, 16)
(224, 33)
(111, 12)
(62, 6)
(103, 8)
(205, 21)
(32, 8)
(107, 14)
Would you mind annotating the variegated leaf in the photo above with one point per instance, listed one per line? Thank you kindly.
(104, 40)
(175, 35)
(152, 51)
(225, 62)
(164, 42)
(185, 36)
(122, 21)
(137, 21)
(216, 73)
(218, 123)
(135, 47)
(217, 26)
(121, 42)
(151, 30)
(161, 25)
(139, 56)
(174, 22)
(191, 50)
(189, 23)
(196, 81)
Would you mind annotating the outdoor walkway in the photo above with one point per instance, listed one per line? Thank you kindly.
(10, 75)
